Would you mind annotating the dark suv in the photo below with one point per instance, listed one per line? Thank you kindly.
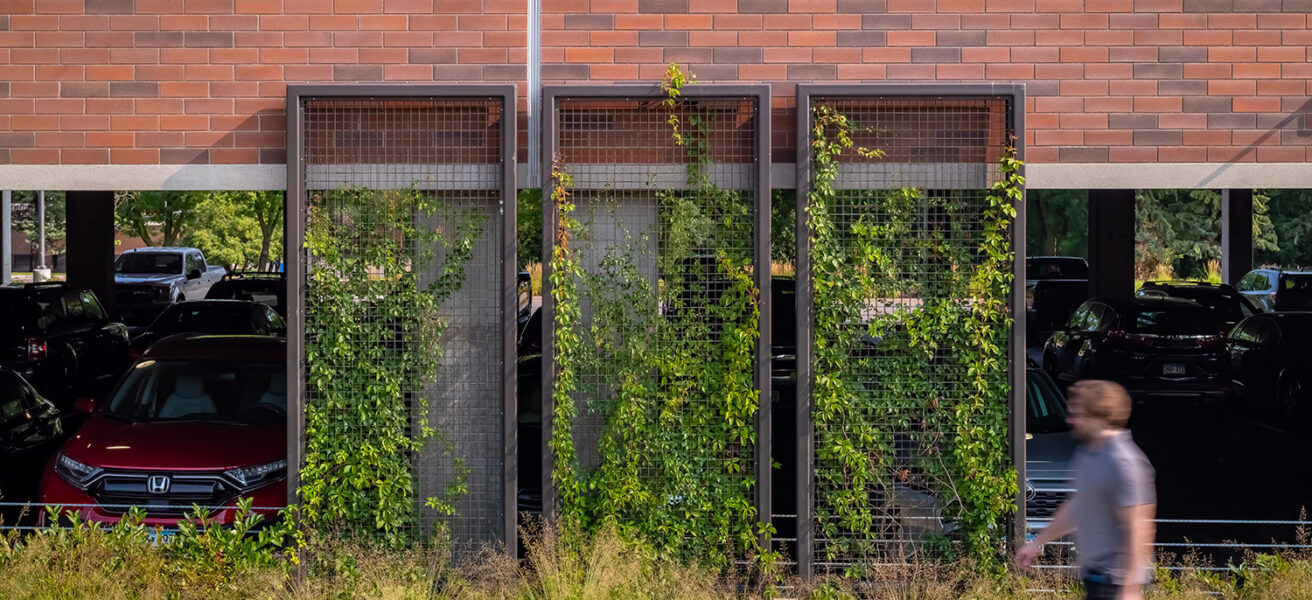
(1275, 289)
(199, 420)
(233, 317)
(1056, 267)
(31, 428)
(1154, 346)
(265, 287)
(57, 337)
(1227, 305)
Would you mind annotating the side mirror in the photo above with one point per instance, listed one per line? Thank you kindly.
(84, 406)
(193, 274)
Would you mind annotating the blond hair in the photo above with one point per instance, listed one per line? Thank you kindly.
(1102, 399)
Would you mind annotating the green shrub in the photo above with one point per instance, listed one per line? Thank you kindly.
(82, 560)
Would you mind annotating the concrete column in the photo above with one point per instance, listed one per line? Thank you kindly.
(90, 244)
(6, 238)
(1236, 234)
(1111, 243)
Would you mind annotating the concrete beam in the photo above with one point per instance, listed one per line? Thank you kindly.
(1038, 176)
(6, 237)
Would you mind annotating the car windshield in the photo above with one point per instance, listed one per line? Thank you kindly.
(148, 263)
(1046, 412)
(215, 317)
(1224, 306)
(1176, 320)
(209, 390)
(1301, 282)
(264, 292)
(21, 311)
(1295, 326)
(1056, 268)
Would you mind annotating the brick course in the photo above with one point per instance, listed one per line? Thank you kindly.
(203, 81)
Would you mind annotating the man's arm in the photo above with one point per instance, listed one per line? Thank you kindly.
(1138, 521)
(1063, 522)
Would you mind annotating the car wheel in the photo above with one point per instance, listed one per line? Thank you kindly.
(1288, 401)
(68, 370)
(1050, 364)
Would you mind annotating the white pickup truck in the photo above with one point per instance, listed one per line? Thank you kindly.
(148, 279)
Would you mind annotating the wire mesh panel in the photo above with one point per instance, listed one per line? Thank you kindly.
(908, 375)
(408, 332)
(654, 297)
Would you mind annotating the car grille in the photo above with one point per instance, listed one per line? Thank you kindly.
(1044, 504)
(121, 490)
(134, 294)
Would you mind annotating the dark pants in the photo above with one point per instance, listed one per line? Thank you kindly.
(1100, 591)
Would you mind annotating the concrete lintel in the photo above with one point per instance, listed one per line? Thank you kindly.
(1038, 176)
(1142, 176)
(143, 177)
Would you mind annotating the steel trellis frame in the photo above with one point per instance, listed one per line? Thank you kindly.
(806, 94)
(552, 96)
(294, 234)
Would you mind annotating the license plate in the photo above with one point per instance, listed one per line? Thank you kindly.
(1173, 369)
(157, 536)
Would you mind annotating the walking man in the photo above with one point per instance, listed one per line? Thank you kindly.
(1115, 500)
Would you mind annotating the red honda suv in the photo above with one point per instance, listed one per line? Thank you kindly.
(198, 420)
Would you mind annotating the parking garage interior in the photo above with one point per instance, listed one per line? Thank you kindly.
(65, 244)
(1222, 462)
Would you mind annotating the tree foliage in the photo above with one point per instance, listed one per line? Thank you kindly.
(23, 213)
(159, 218)
(1056, 223)
(528, 229)
(1290, 214)
(241, 230)
(1177, 232)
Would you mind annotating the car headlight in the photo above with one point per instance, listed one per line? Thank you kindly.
(75, 472)
(162, 293)
(252, 475)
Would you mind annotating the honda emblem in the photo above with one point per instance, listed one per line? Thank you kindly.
(158, 484)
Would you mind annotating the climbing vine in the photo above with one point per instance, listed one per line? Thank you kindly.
(381, 264)
(664, 358)
(910, 389)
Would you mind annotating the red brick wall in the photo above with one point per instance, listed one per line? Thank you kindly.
(203, 81)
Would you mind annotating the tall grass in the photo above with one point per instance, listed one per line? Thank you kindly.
(557, 565)
(535, 276)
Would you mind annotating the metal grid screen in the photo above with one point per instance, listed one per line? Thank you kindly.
(916, 213)
(667, 236)
(422, 177)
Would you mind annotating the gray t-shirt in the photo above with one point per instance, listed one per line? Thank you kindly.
(1108, 477)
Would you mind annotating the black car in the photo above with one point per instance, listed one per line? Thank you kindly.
(1049, 449)
(1228, 305)
(60, 338)
(1271, 363)
(1154, 346)
(1049, 304)
(1056, 267)
(265, 287)
(31, 430)
(234, 317)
